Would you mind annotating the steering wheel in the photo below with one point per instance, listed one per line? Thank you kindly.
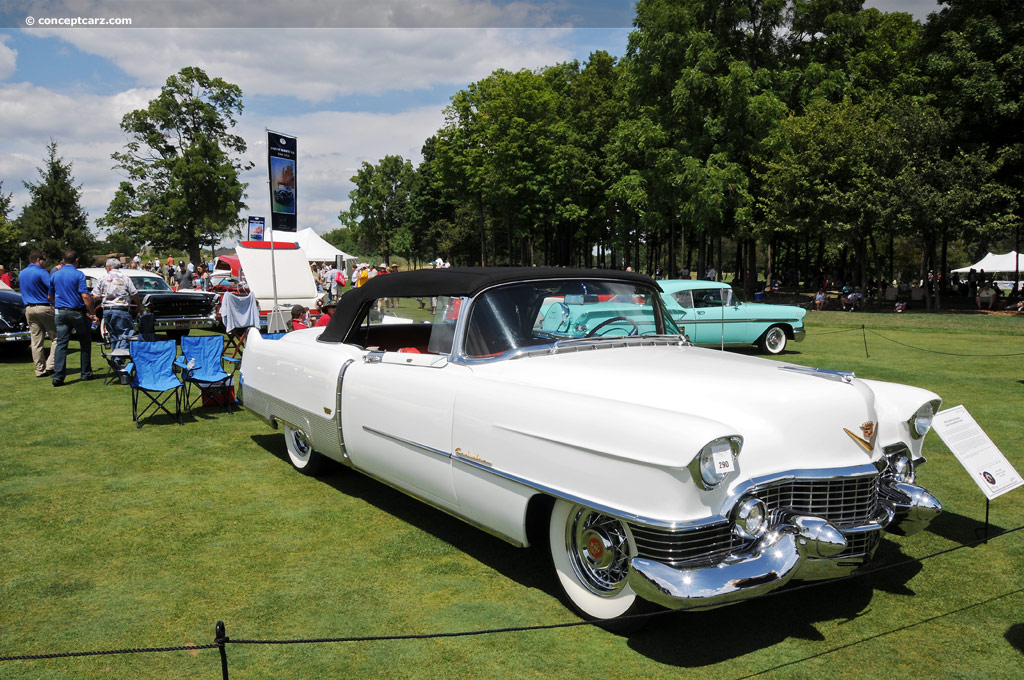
(635, 331)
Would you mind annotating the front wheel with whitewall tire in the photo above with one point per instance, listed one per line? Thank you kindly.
(591, 553)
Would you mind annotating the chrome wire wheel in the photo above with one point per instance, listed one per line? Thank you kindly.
(598, 549)
(591, 554)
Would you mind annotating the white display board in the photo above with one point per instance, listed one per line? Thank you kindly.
(985, 463)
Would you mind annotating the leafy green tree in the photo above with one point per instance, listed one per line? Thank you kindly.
(345, 239)
(10, 235)
(380, 206)
(704, 73)
(53, 221)
(589, 106)
(975, 64)
(444, 225)
(182, 164)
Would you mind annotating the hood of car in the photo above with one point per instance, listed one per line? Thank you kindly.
(788, 416)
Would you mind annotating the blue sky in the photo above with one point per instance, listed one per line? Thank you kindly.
(372, 79)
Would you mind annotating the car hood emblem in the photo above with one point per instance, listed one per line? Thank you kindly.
(867, 442)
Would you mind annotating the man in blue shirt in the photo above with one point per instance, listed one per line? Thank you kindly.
(37, 294)
(74, 312)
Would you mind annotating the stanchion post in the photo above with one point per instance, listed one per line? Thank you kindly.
(864, 333)
(220, 641)
(983, 531)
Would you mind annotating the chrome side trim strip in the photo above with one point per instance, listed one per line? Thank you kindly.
(672, 525)
(408, 442)
(337, 408)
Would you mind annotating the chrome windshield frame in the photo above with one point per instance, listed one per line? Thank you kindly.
(458, 354)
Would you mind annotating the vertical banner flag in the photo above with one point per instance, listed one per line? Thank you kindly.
(281, 159)
(256, 225)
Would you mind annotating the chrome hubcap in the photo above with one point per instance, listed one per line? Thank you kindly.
(301, 444)
(774, 339)
(598, 548)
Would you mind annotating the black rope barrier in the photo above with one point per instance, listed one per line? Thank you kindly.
(935, 351)
(106, 652)
(222, 640)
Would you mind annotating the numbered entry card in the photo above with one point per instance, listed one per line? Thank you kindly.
(985, 463)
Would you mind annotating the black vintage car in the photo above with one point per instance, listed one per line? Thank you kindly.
(13, 326)
(164, 310)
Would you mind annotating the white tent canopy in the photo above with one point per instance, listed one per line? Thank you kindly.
(315, 247)
(994, 263)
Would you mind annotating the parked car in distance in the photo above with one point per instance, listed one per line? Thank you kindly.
(711, 315)
(174, 313)
(579, 437)
(13, 326)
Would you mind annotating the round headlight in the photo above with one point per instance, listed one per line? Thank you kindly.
(717, 459)
(751, 518)
(921, 422)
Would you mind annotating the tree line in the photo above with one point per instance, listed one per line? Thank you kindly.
(751, 136)
(786, 139)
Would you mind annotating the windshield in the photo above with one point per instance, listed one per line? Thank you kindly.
(539, 313)
(150, 284)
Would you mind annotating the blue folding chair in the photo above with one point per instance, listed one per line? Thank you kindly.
(153, 376)
(202, 365)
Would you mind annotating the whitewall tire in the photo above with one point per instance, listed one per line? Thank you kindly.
(773, 341)
(300, 452)
(591, 554)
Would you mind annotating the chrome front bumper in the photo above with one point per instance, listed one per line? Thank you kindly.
(168, 323)
(16, 336)
(796, 547)
(799, 334)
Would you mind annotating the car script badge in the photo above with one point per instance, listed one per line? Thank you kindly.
(867, 442)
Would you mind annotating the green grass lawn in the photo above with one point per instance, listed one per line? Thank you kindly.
(114, 537)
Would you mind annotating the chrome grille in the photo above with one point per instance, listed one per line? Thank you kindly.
(846, 502)
(695, 546)
(843, 502)
(860, 543)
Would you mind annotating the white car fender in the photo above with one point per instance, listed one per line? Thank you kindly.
(895, 404)
(585, 451)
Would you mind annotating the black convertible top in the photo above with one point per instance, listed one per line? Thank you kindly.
(453, 282)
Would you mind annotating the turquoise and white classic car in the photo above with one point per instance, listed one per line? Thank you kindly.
(710, 315)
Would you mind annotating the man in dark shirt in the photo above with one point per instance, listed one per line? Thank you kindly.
(37, 294)
(74, 312)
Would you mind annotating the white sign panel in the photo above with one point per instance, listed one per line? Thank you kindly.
(986, 464)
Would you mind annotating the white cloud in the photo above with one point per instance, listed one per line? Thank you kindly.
(332, 145)
(8, 59)
(193, 14)
(285, 68)
(321, 64)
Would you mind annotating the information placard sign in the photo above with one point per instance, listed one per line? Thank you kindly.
(256, 225)
(985, 463)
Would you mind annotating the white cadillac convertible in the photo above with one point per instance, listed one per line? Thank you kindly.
(656, 471)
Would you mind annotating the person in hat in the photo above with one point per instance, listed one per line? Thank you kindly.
(300, 317)
(325, 318)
